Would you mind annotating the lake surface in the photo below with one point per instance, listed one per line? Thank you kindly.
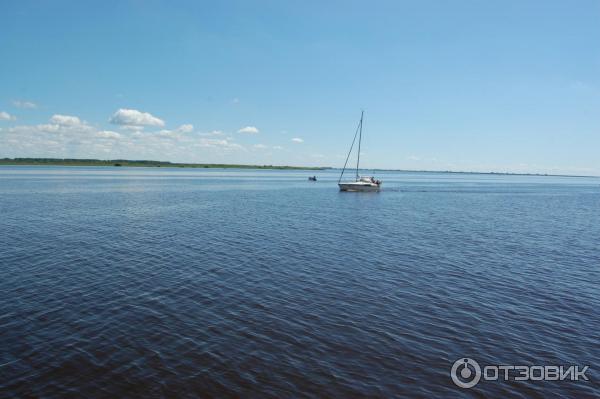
(146, 282)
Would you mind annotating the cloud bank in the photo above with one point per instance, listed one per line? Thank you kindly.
(67, 136)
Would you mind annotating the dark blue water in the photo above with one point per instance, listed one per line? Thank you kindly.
(132, 282)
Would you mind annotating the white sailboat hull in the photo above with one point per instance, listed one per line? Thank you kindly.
(359, 186)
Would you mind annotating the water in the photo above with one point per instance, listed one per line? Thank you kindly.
(123, 282)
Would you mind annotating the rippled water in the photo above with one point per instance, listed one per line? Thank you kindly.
(179, 282)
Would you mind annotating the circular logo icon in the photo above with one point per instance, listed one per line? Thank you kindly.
(465, 373)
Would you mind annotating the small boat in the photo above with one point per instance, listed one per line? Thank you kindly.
(312, 178)
(360, 183)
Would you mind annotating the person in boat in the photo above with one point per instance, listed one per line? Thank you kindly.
(373, 180)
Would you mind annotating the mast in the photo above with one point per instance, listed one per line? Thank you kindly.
(359, 127)
(359, 140)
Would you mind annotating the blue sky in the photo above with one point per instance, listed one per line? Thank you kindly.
(446, 85)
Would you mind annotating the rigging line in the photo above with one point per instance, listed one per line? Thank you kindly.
(349, 152)
(359, 141)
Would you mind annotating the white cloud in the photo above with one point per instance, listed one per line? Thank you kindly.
(24, 104)
(133, 117)
(277, 147)
(259, 146)
(65, 120)
(132, 128)
(171, 134)
(223, 144)
(5, 116)
(213, 133)
(249, 130)
(177, 133)
(107, 134)
(187, 128)
(297, 140)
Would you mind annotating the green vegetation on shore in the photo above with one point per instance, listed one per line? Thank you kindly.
(149, 164)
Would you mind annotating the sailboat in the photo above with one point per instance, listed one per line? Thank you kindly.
(360, 183)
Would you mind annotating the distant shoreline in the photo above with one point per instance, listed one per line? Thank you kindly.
(164, 164)
(481, 173)
(140, 163)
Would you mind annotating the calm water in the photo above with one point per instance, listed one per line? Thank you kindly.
(179, 282)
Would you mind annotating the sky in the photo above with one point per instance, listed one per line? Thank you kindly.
(504, 86)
